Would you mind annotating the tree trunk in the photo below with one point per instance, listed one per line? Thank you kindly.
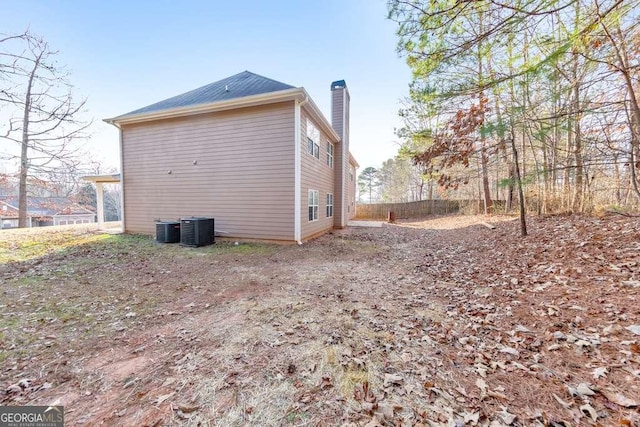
(484, 157)
(485, 179)
(523, 217)
(24, 158)
(511, 186)
(577, 146)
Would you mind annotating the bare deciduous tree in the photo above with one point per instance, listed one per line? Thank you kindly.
(44, 117)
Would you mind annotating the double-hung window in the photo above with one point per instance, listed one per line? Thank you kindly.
(329, 154)
(329, 205)
(313, 205)
(313, 139)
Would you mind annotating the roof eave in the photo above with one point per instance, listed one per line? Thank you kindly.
(105, 179)
(245, 101)
(353, 160)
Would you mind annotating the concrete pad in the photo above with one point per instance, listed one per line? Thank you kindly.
(375, 224)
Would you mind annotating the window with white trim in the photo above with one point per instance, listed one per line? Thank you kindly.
(352, 172)
(330, 154)
(329, 205)
(313, 205)
(313, 140)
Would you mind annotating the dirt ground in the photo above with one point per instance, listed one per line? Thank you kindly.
(433, 322)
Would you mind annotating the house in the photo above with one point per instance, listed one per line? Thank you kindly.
(44, 211)
(256, 154)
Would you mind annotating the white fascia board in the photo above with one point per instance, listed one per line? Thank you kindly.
(246, 101)
(106, 179)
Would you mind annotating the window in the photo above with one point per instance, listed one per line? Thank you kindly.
(351, 173)
(313, 205)
(310, 145)
(329, 154)
(329, 205)
(313, 140)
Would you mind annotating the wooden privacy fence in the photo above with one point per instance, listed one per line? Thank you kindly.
(414, 209)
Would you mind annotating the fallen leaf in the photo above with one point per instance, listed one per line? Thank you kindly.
(392, 379)
(187, 409)
(326, 383)
(471, 418)
(386, 410)
(634, 329)
(482, 385)
(600, 372)
(510, 350)
(564, 404)
(585, 390)
(583, 343)
(589, 411)
(497, 394)
(462, 391)
(162, 398)
(619, 398)
(506, 417)
(373, 423)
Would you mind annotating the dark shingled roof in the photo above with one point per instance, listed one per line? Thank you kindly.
(239, 85)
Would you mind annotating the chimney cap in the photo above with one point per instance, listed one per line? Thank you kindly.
(338, 84)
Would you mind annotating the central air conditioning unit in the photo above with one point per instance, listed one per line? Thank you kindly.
(168, 231)
(196, 231)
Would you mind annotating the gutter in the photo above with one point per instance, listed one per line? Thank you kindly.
(298, 93)
(246, 101)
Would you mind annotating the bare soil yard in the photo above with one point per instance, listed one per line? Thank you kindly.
(436, 322)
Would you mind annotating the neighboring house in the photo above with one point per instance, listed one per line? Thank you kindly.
(9, 216)
(74, 214)
(256, 154)
(44, 211)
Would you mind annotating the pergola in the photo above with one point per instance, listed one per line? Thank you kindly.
(99, 181)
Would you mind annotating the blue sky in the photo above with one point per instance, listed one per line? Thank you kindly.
(127, 54)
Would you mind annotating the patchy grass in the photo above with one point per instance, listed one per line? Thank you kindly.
(37, 245)
(421, 323)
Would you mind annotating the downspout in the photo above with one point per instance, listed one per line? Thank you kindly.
(114, 123)
(297, 209)
(122, 210)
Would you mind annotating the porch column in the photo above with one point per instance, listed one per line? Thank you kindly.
(100, 203)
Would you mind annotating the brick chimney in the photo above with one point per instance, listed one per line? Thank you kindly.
(340, 122)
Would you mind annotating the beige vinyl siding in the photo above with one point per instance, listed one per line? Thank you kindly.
(315, 175)
(351, 193)
(243, 174)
